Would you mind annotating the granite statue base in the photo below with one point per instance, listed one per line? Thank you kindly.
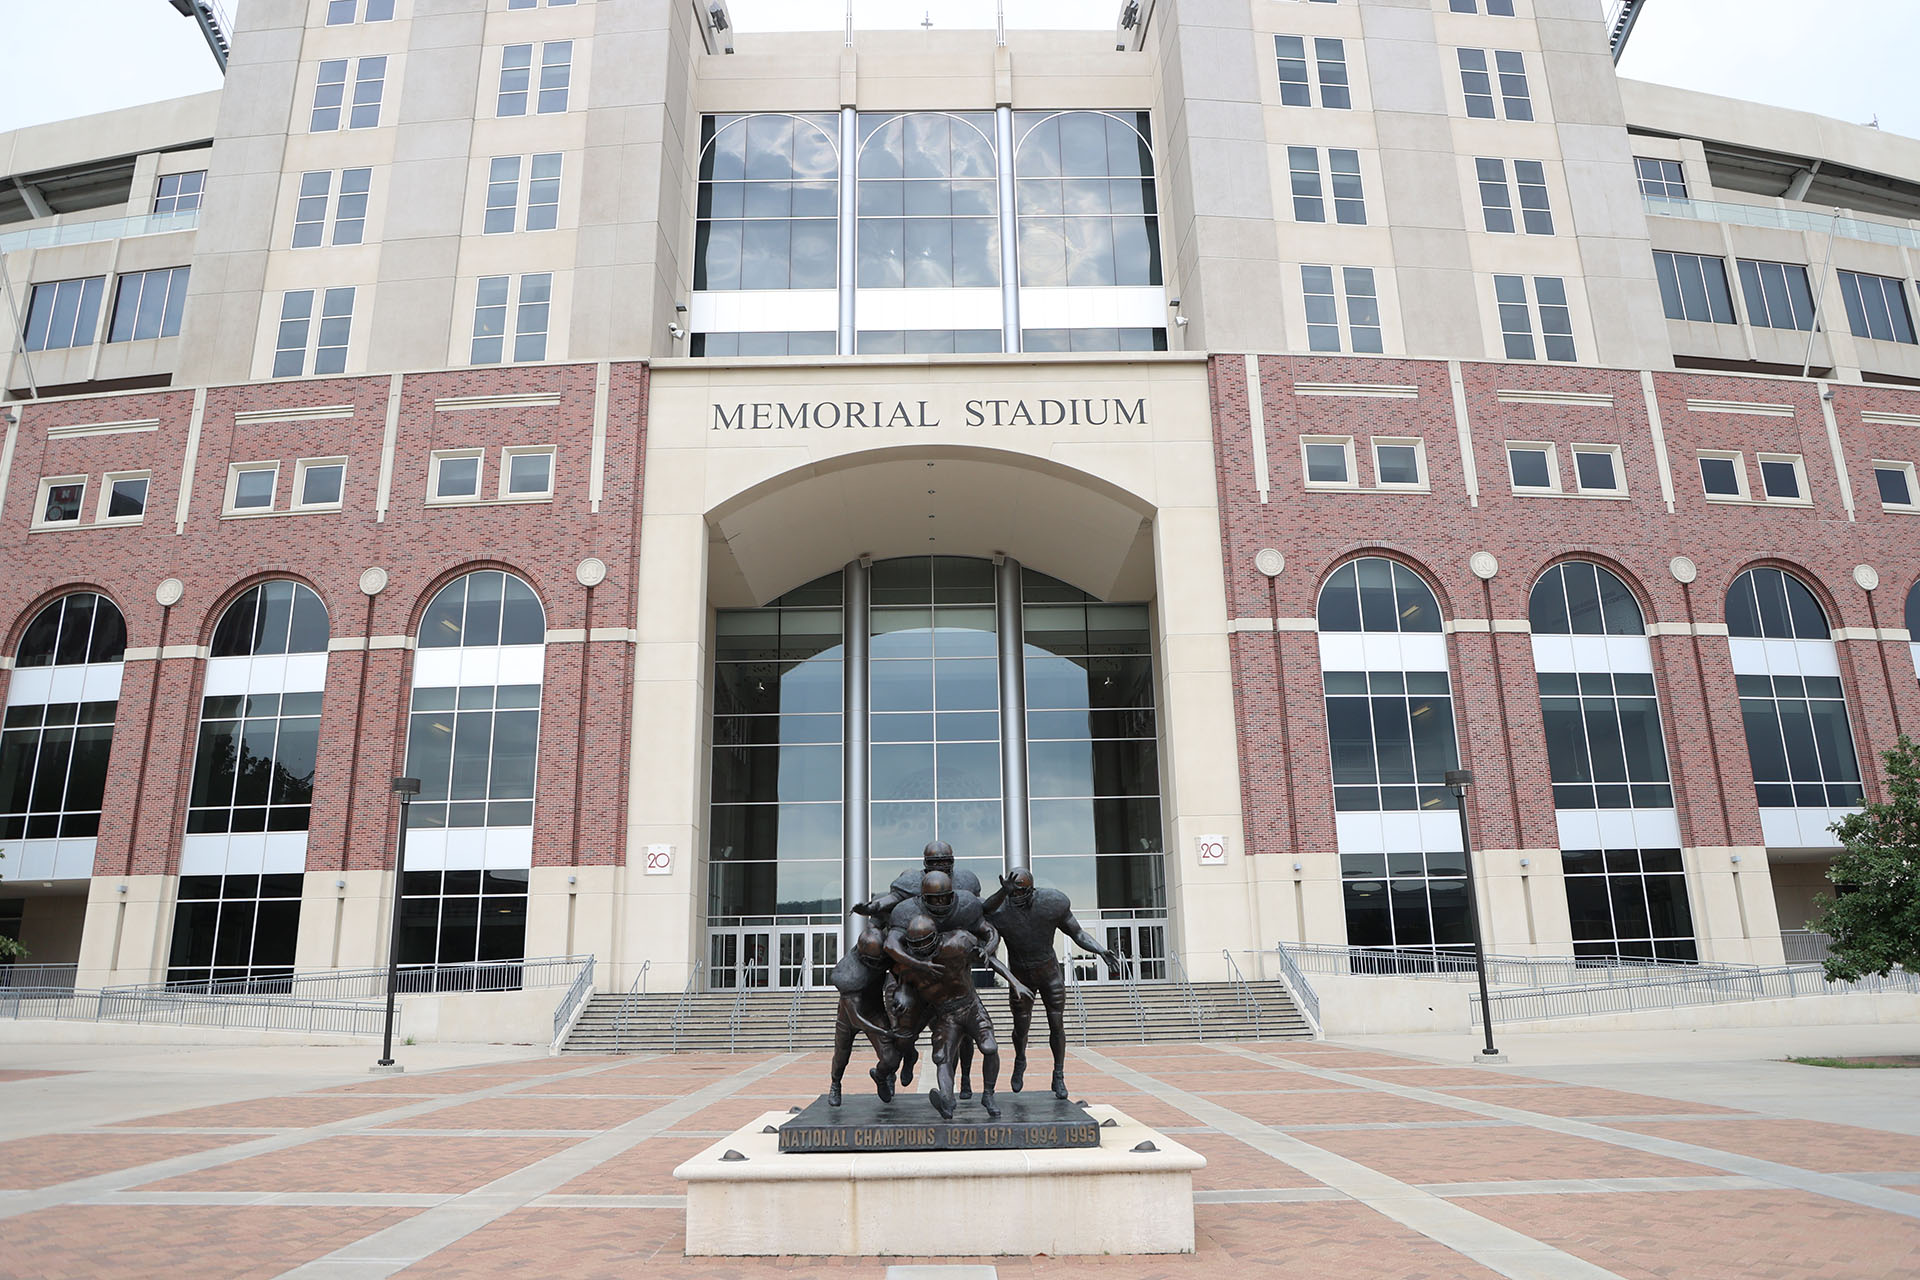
(748, 1198)
(1027, 1122)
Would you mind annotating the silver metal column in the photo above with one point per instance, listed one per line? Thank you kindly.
(855, 591)
(1010, 637)
(1009, 234)
(849, 145)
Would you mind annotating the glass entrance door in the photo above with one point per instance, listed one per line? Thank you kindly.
(738, 958)
(807, 957)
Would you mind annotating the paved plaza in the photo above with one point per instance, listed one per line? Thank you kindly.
(1696, 1155)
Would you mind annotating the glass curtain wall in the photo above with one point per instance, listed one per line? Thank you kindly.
(1619, 833)
(935, 736)
(1390, 731)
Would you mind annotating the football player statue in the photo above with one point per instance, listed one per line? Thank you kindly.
(939, 967)
(1027, 917)
(861, 978)
(937, 856)
(950, 908)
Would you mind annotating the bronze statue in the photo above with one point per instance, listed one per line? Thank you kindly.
(950, 908)
(937, 856)
(939, 967)
(1027, 918)
(860, 977)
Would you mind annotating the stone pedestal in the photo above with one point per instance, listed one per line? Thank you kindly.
(1090, 1200)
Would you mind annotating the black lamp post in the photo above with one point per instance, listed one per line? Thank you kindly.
(406, 789)
(1458, 780)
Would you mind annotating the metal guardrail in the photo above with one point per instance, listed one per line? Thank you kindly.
(1305, 998)
(39, 977)
(734, 1013)
(1758, 215)
(146, 224)
(1586, 1000)
(1420, 962)
(532, 973)
(793, 1017)
(686, 998)
(571, 1002)
(255, 1013)
(1249, 1003)
(1079, 1004)
(1130, 982)
(1805, 946)
(638, 987)
(1185, 984)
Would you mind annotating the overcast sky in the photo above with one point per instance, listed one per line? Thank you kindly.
(1853, 59)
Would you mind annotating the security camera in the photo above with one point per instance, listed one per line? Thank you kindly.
(677, 332)
(1181, 321)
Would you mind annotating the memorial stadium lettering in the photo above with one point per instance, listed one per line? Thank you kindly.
(772, 415)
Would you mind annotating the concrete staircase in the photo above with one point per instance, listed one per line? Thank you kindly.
(791, 1021)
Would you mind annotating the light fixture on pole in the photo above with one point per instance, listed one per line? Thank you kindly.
(406, 789)
(1458, 780)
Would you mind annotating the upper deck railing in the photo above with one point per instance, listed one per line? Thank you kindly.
(146, 224)
(1872, 230)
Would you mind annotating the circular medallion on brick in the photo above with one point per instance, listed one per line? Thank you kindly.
(373, 581)
(1867, 576)
(1483, 564)
(592, 571)
(1269, 561)
(1683, 569)
(169, 591)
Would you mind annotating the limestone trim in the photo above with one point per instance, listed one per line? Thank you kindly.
(597, 462)
(1469, 472)
(6, 458)
(1659, 432)
(1237, 625)
(1257, 426)
(523, 400)
(187, 463)
(1891, 419)
(1897, 634)
(1751, 408)
(389, 442)
(128, 426)
(1527, 395)
(1373, 390)
(1839, 452)
(306, 413)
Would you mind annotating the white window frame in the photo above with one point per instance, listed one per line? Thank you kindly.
(47, 484)
(107, 484)
(234, 470)
(1612, 451)
(508, 454)
(1739, 461)
(1553, 466)
(1419, 447)
(1314, 63)
(1799, 464)
(358, 11)
(434, 497)
(1913, 485)
(298, 501)
(1345, 444)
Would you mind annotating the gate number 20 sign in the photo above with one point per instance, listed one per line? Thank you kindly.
(659, 859)
(1212, 850)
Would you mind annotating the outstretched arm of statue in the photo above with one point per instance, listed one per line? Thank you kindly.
(999, 896)
(988, 935)
(1019, 989)
(861, 1021)
(877, 907)
(1085, 941)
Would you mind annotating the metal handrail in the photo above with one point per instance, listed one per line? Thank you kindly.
(571, 1002)
(793, 1018)
(39, 977)
(733, 1018)
(1249, 1003)
(686, 998)
(1185, 984)
(1305, 998)
(1079, 1001)
(639, 985)
(260, 1013)
(1805, 946)
(1422, 962)
(531, 973)
(1778, 983)
(1130, 983)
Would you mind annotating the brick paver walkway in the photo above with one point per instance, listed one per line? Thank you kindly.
(1323, 1160)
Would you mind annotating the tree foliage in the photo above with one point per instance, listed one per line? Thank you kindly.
(1874, 916)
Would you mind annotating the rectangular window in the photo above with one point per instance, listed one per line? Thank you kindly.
(1323, 303)
(1876, 307)
(1391, 739)
(1399, 464)
(1777, 294)
(517, 88)
(1342, 177)
(147, 305)
(330, 91)
(492, 302)
(503, 193)
(1516, 317)
(1596, 469)
(1604, 743)
(179, 192)
(296, 330)
(1496, 197)
(526, 473)
(343, 12)
(350, 211)
(1783, 477)
(1724, 475)
(1328, 461)
(60, 500)
(1693, 287)
(455, 475)
(1799, 741)
(1535, 468)
(1299, 75)
(1895, 481)
(53, 768)
(310, 208)
(251, 485)
(64, 313)
(318, 482)
(123, 498)
(1477, 84)
(1661, 179)
(1629, 903)
(1495, 8)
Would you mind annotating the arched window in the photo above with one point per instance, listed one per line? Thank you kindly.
(473, 739)
(251, 798)
(1913, 626)
(58, 735)
(1612, 795)
(1383, 664)
(1799, 739)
